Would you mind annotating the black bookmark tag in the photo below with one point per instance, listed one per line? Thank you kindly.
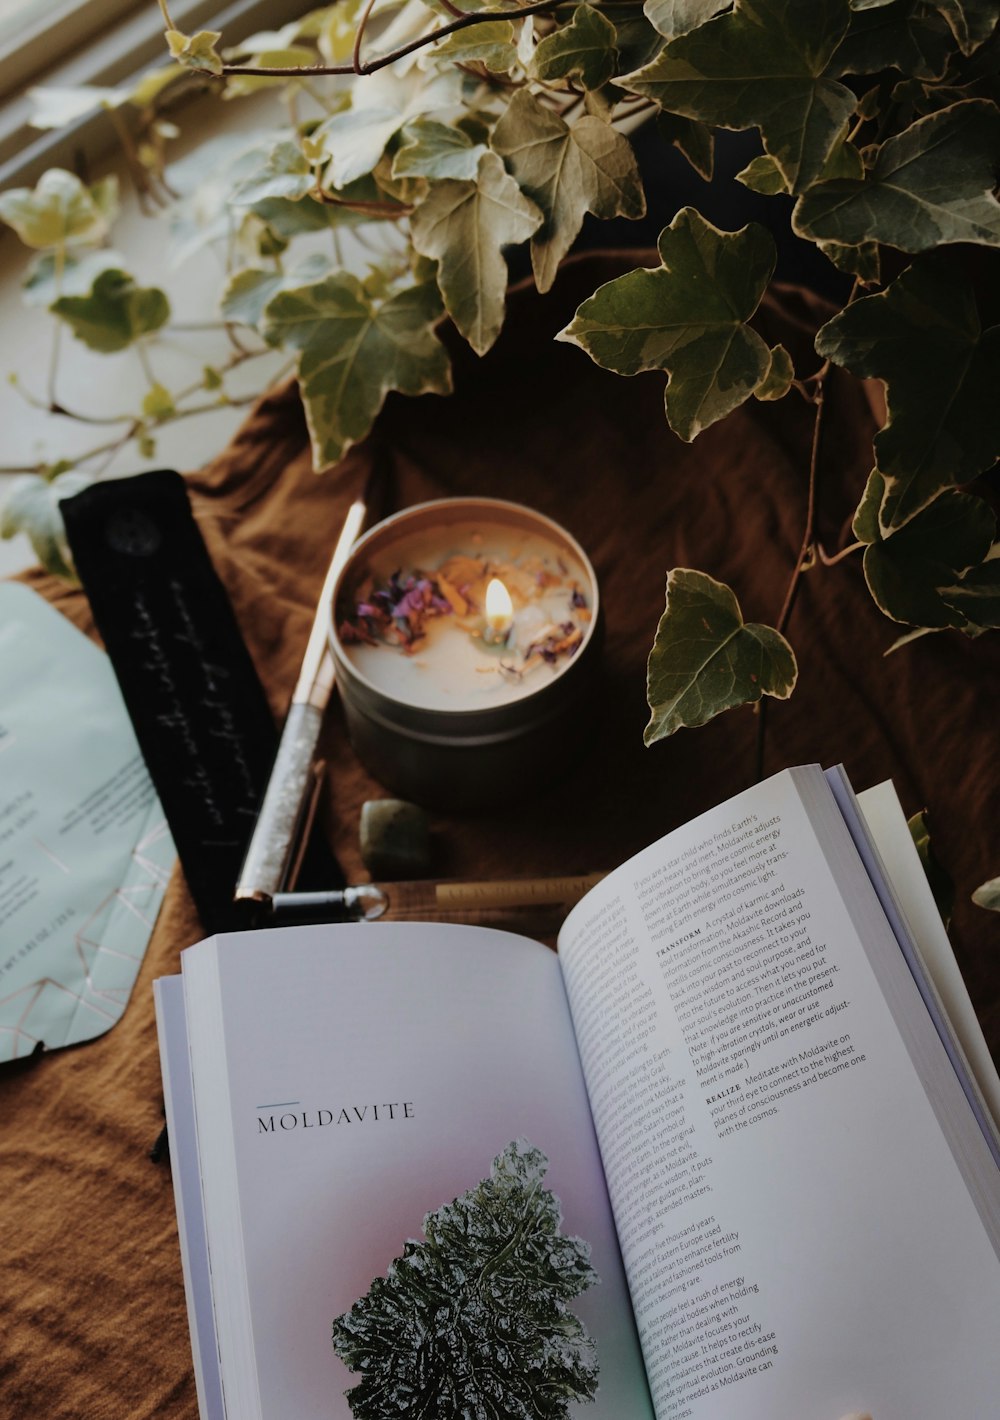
(199, 711)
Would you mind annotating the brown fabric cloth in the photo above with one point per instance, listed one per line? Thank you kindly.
(92, 1301)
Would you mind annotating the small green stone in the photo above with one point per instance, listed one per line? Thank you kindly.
(395, 839)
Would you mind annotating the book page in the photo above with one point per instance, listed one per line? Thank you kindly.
(887, 823)
(797, 1236)
(375, 1073)
(178, 1102)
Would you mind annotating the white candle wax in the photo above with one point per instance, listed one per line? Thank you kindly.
(462, 660)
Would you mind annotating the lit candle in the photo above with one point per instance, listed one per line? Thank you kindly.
(499, 612)
(463, 633)
(448, 611)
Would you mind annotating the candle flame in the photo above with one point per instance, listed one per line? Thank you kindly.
(499, 607)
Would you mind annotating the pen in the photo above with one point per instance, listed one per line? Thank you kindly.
(517, 901)
(292, 780)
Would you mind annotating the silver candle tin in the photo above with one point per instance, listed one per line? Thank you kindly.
(467, 760)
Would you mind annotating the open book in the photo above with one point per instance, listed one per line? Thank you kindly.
(722, 1157)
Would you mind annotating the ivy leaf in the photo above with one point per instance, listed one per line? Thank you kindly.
(568, 170)
(687, 317)
(248, 292)
(916, 633)
(762, 174)
(870, 103)
(285, 174)
(465, 226)
(269, 242)
(526, 42)
(435, 150)
(941, 886)
(638, 43)
(601, 103)
(707, 659)
(32, 507)
(778, 380)
(353, 351)
(912, 38)
(196, 51)
(865, 523)
(264, 40)
(585, 49)
(924, 98)
(924, 337)
(205, 179)
(970, 21)
(988, 895)
(150, 85)
(115, 313)
(287, 219)
(357, 138)
(764, 64)
(907, 573)
(476, 125)
(405, 191)
(929, 185)
(862, 261)
(491, 1278)
(677, 17)
(60, 211)
(336, 29)
(694, 140)
(48, 278)
(490, 44)
(57, 107)
(104, 195)
(158, 402)
(976, 595)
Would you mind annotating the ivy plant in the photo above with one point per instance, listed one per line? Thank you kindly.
(439, 134)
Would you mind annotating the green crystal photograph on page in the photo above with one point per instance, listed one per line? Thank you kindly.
(475, 1320)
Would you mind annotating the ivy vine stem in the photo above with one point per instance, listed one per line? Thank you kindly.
(381, 61)
(804, 558)
(60, 265)
(142, 355)
(831, 561)
(184, 327)
(59, 408)
(806, 555)
(56, 406)
(136, 425)
(391, 210)
(360, 34)
(142, 178)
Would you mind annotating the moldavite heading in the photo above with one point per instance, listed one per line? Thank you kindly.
(271, 1123)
